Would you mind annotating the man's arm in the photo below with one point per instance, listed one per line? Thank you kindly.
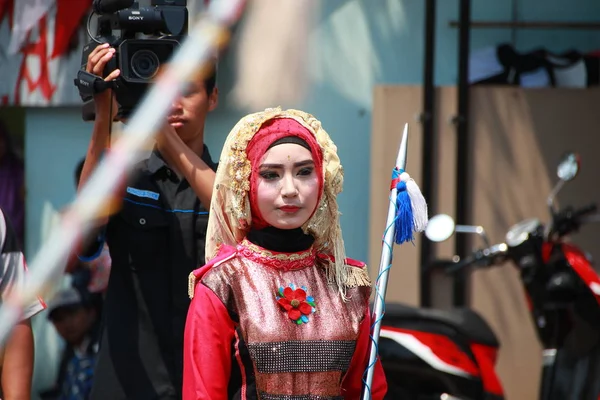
(18, 363)
(199, 175)
(98, 144)
(106, 110)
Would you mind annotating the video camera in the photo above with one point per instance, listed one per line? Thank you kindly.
(148, 37)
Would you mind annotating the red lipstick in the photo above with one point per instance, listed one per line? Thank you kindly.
(289, 209)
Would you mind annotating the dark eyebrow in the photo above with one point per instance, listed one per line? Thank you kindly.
(304, 163)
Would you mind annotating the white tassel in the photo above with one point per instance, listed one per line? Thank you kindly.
(417, 203)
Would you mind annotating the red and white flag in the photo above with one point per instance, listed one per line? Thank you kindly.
(68, 18)
(27, 13)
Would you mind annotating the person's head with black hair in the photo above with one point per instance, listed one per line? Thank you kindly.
(74, 313)
(189, 110)
(210, 81)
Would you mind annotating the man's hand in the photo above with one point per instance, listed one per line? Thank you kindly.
(96, 64)
(17, 369)
(167, 136)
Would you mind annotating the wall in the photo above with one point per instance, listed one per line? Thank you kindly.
(55, 141)
(392, 103)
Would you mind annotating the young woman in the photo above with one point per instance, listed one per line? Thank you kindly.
(278, 312)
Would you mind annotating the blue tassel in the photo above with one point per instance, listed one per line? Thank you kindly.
(404, 213)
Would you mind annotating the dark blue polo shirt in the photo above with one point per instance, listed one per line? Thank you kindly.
(155, 241)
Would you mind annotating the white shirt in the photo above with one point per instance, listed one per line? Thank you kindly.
(13, 269)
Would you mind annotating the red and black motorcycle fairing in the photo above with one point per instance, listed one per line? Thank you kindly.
(427, 353)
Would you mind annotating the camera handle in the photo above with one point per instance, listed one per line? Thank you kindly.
(90, 84)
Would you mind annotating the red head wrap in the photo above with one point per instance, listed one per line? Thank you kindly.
(271, 131)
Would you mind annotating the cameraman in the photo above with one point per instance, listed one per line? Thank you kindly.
(155, 238)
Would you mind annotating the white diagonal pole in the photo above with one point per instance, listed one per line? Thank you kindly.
(206, 37)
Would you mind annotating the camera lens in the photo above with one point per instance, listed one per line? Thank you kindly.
(144, 64)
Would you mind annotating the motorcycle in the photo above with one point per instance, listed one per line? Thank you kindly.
(435, 354)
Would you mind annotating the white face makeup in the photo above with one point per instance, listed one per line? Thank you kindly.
(287, 186)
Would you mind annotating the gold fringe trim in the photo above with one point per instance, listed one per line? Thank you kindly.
(191, 285)
(357, 277)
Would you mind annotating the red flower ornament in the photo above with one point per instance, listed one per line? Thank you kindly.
(297, 304)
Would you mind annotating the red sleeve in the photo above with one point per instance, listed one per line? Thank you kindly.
(352, 385)
(207, 347)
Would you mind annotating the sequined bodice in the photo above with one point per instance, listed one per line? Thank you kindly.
(307, 355)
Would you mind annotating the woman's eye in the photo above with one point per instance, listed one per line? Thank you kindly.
(269, 175)
(305, 171)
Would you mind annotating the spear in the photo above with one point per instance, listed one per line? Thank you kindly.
(407, 213)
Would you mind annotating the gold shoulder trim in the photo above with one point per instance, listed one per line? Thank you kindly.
(357, 276)
(193, 279)
(191, 284)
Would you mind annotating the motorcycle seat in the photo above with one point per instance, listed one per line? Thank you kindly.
(465, 321)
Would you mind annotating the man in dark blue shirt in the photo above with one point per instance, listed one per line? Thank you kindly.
(155, 239)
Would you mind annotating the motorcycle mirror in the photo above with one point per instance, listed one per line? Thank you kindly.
(568, 167)
(440, 228)
(567, 170)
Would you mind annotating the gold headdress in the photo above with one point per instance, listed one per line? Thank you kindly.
(230, 214)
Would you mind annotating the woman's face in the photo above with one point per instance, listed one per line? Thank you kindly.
(287, 186)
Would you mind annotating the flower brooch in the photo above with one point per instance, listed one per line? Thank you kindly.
(297, 304)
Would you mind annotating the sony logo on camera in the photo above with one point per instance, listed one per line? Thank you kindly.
(147, 38)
